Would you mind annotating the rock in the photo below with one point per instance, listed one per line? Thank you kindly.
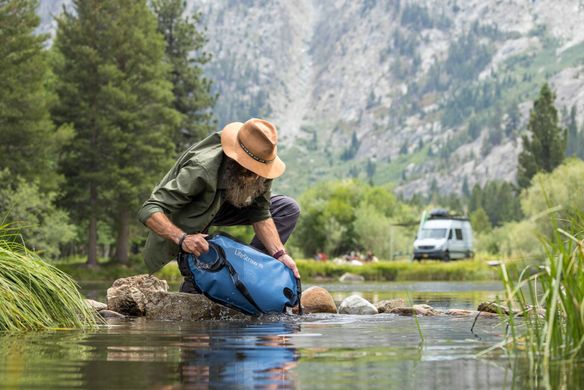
(419, 310)
(388, 304)
(317, 300)
(174, 306)
(128, 295)
(460, 312)
(110, 314)
(95, 305)
(356, 305)
(427, 310)
(492, 307)
(349, 277)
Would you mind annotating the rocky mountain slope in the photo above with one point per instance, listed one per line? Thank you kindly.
(427, 94)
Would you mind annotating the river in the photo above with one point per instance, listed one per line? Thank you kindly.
(313, 351)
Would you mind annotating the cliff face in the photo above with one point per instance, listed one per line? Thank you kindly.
(419, 93)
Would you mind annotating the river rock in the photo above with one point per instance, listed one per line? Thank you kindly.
(349, 277)
(356, 305)
(387, 304)
(95, 305)
(317, 300)
(460, 312)
(174, 306)
(129, 295)
(419, 310)
(492, 307)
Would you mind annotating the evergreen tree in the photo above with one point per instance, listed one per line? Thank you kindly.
(192, 91)
(544, 148)
(573, 142)
(114, 90)
(28, 143)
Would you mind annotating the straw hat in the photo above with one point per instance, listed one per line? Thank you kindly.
(253, 145)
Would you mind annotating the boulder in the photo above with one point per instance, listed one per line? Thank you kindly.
(95, 305)
(356, 305)
(175, 306)
(388, 304)
(128, 296)
(419, 310)
(318, 300)
(349, 277)
(492, 307)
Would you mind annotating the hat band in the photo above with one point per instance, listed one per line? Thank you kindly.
(250, 154)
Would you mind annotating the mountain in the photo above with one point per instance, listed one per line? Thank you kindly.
(425, 94)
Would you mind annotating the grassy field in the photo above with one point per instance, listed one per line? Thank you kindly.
(310, 269)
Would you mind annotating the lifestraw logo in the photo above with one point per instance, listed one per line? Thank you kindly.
(248, 259)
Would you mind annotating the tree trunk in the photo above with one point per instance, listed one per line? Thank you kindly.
(123, 239)
(92, 243)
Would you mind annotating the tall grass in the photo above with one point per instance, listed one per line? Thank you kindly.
(35, 295)
(550, 299)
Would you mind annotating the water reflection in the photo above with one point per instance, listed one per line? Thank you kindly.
(248, 357)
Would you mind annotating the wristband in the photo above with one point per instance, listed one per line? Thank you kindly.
(181, 240)
(279, 254)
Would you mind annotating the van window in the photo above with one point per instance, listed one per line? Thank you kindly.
(458, 234)
(433, 233)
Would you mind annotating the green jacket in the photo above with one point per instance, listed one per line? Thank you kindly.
(191, 194)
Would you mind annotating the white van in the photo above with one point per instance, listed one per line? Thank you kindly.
(443, 237)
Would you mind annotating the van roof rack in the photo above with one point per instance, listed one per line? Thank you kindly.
(444, 214)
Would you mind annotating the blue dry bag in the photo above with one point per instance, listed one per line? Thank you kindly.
(243, 278)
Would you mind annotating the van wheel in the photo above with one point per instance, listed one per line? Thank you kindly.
(446, 256)
(470, 254)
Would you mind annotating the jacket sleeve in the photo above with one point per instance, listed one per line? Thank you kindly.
(191, 180)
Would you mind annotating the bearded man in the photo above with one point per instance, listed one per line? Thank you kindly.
(224, 180)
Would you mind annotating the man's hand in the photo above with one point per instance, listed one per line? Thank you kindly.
(290, 263)
(195, 244)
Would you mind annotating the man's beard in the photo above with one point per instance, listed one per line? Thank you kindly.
(242, 186)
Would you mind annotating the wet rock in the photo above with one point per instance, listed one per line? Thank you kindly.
(110, 314)
(129, 295)
(356, 305)
(492, 307)
(95, 305)
(174, 306)
(388, 304)
(419, 310)
(460, 312)
(349, 277)
(318, 300)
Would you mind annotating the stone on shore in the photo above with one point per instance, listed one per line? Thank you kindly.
(349, 277)
(418, 310)
(317, 300)
(129, 295)
(355, 304)
(387, 304)
(148, 296)
(492, 307)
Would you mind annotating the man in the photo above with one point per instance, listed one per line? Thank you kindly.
(224, 180)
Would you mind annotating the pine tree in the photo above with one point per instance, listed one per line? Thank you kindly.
(184, 51)
(544, 148)
(114, 90)
(28, 144)
(573, 142)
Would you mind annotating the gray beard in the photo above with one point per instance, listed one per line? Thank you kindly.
(242, 190)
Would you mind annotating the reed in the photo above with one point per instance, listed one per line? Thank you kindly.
(35, 295)
(547, 323)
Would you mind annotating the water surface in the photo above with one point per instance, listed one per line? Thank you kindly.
(313, 351)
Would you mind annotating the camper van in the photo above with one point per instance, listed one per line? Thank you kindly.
(443, 237)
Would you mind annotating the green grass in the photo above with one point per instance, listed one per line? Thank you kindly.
(402, 270)
(555, 337)
(35, 295)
